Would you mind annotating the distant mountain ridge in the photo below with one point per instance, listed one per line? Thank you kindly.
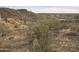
(9, 13)
(14, 13)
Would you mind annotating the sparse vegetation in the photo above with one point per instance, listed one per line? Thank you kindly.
(23, 30)
(42, 31)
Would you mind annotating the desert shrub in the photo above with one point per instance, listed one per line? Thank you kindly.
(2, 43)
(4, 29)
(3, 32)
(41, 31)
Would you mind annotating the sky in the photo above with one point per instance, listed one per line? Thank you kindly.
(48, 9)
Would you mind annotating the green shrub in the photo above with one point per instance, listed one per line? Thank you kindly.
(41, 31)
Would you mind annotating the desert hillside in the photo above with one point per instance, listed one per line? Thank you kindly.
(22, 31)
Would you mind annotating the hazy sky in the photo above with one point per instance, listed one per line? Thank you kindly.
(48, 9)
(72, 7)
(41, 7)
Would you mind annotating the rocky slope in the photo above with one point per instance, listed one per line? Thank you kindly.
(13, 33)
